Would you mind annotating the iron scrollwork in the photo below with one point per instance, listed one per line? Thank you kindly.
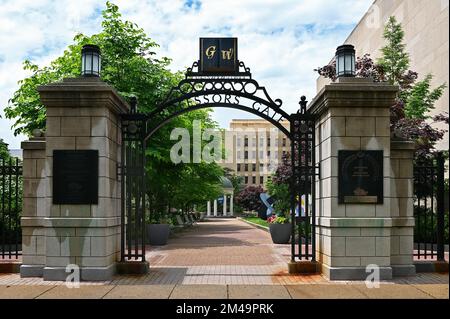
(198, 90)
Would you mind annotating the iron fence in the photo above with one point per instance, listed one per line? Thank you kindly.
(431, 219)
(10, 208)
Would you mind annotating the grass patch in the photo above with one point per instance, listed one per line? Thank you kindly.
(257, 220)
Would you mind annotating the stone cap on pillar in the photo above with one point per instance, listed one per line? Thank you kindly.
(354, 92)
(34, 143)
(82, 92)
(402, 144)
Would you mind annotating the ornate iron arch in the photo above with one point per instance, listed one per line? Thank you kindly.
(237, 90)
(198, 90)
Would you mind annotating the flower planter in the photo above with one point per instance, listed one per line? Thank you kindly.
(157, 234)
(280, 233)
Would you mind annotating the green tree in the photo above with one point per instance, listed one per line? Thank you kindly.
(282, 196)
(4, 153)
(395, 59)
(129, 64)
(236, 180)
(421, 98)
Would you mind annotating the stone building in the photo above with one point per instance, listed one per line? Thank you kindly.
(256, 150)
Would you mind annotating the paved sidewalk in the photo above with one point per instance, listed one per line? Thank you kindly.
(223, 258)
(305, 291)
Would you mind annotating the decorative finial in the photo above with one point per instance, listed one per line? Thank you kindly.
(133, 104)
(37, 133)
(302, 103)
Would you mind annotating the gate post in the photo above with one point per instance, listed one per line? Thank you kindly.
(82, 114)
(34, 203)
(353, 114)
(402, 207)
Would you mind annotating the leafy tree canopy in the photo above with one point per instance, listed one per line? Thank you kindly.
(249, 198)
(130, 65)
(4, 153)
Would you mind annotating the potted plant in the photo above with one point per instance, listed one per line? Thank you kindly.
(158, 230)
(280, 229)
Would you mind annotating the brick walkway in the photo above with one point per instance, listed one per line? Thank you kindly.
(221, 252)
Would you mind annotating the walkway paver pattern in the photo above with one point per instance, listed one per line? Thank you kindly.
(223, 258)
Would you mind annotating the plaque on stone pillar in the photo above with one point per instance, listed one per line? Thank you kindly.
(360, 177)
(75, 177)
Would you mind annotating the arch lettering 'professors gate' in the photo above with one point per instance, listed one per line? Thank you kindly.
(218, 79)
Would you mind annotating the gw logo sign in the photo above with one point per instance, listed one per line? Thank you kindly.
(226, 54)
(218, 55)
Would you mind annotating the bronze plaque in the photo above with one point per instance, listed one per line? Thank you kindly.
(75, 177)
(360, 179)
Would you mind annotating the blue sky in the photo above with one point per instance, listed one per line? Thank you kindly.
(282, 41)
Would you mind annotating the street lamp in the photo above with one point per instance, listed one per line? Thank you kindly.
(91, 60)
(345, 61)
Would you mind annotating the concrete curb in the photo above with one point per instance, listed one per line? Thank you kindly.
(253, 224)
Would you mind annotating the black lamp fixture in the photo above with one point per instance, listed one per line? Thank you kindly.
(345, 61)
(91, 60)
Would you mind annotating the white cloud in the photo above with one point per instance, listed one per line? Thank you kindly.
(282, 41)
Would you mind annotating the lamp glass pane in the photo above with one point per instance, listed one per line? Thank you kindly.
(340, 64)
(348, 64)
(353, 64)
(95, 64)
(88, 69)
(82, 64)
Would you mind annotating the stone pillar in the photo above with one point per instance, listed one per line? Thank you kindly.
(83, 114)
(224, 205)
(215, 208)
(34, 208)
(353, 114)
(208, 208)
(402, 209)
(231, 204)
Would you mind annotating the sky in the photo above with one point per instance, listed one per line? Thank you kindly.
(282, 41)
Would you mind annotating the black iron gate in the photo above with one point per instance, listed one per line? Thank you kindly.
(304, 173)
(10, 208)
(232, 90)
(132, 183)
(431, 218)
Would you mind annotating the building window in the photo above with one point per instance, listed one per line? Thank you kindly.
(238, 154)
(246, 155)
(254, 141)
(268, 141)
(261, 179)
(268, 153)
(261, 154)
(246, 179)
(246, 167)
(253, 154)
(261, 166)
(246, 142)
(254, 167)
(253, 179)
(238, 167)
(261, 141)
(284, 142)
(284, 153)
(238, 142)
(276, 141)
